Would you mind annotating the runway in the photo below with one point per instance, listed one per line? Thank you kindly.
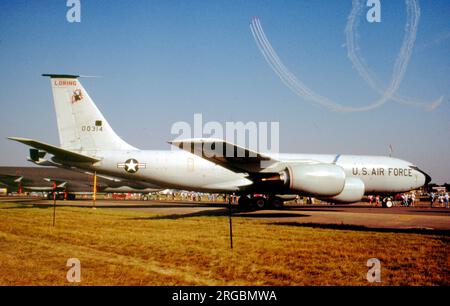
(357, 216)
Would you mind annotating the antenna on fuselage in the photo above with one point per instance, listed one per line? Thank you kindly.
(391, 150)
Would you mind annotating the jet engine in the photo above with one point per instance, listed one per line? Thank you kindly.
(354, 190)
(315, 179)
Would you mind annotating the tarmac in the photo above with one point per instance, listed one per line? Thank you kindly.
(361, 216)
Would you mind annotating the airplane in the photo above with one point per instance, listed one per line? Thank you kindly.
(67, 184)
(88, 142)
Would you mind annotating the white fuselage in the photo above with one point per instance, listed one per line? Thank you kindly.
(183, 170)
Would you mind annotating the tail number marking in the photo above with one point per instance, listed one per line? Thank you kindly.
(97, 127)
(91, 128)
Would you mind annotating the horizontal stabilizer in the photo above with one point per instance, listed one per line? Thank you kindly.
(10, 179)
(60, 154)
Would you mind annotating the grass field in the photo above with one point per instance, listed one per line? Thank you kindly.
(128, 247)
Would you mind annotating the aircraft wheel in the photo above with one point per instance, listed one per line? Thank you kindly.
(244, 201)
(387, 203)
(259, 202)
(276, 203)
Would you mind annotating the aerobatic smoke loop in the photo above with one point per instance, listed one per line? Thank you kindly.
(401, 63)
(351, 33)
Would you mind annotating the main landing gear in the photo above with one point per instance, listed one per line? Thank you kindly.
(61, 196)
(260, 202)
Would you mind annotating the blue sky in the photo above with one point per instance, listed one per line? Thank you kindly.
(163, 61)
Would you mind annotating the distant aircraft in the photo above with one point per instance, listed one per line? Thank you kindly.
(66, 183)
(88, 142)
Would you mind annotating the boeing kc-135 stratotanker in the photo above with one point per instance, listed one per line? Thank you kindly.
(87, 142)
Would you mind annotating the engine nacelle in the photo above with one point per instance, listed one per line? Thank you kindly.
(354, 190)
(315, 179)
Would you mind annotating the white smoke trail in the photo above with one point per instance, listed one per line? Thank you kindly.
(351, 33)
(274, 67)
(298, 87)
(287, 77)
(283, 73)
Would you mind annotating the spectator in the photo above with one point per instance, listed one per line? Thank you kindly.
(446, 199)
(413, 199)
(432, 198)
(377, 200)
(404, 200)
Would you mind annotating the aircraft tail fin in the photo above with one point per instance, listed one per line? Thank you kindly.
(81, 125)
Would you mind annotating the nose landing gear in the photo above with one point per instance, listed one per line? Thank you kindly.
(387, 202)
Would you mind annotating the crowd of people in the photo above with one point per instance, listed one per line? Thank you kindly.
(410, 199)
(441, 198)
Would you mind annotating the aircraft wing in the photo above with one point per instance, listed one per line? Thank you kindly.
(59, 183)
(59, 153)
(225, 154)
(10, 180)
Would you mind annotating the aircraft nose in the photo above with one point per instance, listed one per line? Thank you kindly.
(423, 179)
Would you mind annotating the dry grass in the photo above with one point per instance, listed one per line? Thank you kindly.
(124, 247)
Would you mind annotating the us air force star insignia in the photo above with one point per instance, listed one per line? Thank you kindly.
(131, 165)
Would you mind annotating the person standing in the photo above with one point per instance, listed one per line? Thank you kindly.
(404, 200)
(446, 199)
(432, 197)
